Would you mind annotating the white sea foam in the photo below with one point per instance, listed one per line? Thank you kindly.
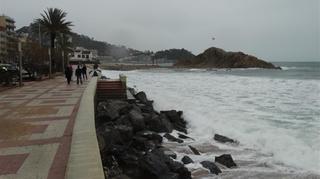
(276, 118)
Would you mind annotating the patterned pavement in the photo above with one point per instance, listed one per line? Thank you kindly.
(36, 123)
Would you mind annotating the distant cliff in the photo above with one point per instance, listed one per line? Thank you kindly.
(218, 58)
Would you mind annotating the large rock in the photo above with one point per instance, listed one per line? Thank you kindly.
(141, 96)
(211, 166)
(168, 152)
(223, 139)
(159, 123)
(112, 168)
(106, 113)
(173, 115)
(218, 58)
(166, 125)
(186, 160)
(182, 136)
(172, 138)
(142, 143)
(137, 120)
(153, 166)
(194, 150)
(150, 136)
(174, 166)
(225, 160)
(109, 136)
(145, 108)
(124, 120)
(176, 119)
(126, 132)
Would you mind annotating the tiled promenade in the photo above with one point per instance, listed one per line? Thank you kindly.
(36, 123)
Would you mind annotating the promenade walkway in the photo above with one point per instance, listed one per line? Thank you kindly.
(36, 123)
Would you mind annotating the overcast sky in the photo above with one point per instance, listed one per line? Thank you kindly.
(274, 30)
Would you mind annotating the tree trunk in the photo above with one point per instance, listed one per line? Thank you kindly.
(53, 37)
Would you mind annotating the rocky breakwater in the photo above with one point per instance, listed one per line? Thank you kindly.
(130, 136)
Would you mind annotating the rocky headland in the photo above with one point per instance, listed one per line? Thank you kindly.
(131, 134)
(218, 58)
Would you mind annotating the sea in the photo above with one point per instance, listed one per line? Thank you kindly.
(273, 114)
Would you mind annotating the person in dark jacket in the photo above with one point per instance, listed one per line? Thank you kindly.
(79, 75)
(68, 72)
(84, 72)
(95, 71)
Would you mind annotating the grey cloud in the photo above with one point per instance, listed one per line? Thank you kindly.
(274, 30)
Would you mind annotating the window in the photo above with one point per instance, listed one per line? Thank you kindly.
(79, 56)
(87, 56)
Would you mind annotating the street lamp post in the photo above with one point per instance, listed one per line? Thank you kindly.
(20, 64)
(62, 61)
(50, 70)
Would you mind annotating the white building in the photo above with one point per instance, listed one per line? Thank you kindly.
(82, 54)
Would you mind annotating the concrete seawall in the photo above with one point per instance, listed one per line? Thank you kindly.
(85, 160)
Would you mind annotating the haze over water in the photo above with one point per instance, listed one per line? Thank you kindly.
(275, 113)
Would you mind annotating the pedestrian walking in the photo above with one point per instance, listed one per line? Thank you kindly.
(95, 71)
(79, 75)
(68, 73)
(84, 72)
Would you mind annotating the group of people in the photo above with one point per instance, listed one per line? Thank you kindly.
(80, 73)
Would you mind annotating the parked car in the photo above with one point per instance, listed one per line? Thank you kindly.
(9, 74)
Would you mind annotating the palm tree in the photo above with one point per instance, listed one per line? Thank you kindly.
(65, 46)
(53, 22)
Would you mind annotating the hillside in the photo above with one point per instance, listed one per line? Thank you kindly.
(218, 58)
(103, 48)
(173, 55)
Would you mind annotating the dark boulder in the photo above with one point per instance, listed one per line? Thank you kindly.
(225, 160)
(223, 139)
(181, 128)
(172, 138)
(173, 166)
(110, 134)
(150, 136)
(194, 150)
(153, 166)
(178, 167)
(137, 120)
(145, 108)
(159, 124)
(125, 131)
(182, 136)
(186, 160)
(168, 152)
(123, 120)
(211, 166)
(132, 91)
(125, 109)
(111, 167)
(165, 124)
(106, 113)
(184, 173)
(141, 96)
(118, 104)
(176, 119)
(142, 143)
(173, 115)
